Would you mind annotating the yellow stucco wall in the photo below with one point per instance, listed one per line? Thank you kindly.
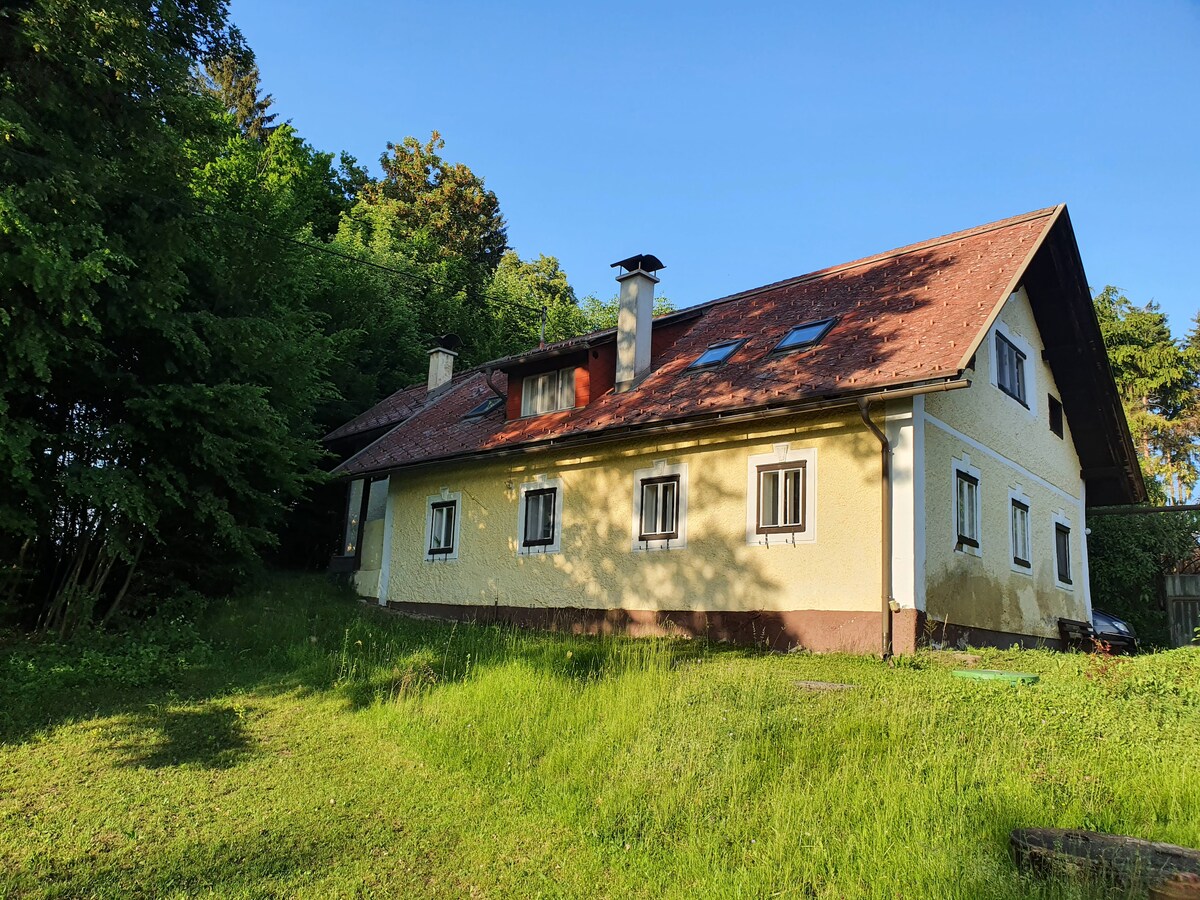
(984, 591)
(596, 567)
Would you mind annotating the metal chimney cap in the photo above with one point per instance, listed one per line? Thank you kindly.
(647, 262)
(449, 342)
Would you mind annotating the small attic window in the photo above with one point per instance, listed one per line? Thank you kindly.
(484, 408)
(804, 336)
(716, 354)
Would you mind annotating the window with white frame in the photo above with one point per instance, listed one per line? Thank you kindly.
(443, 525)
(539, 516)
(548, 392)
(443, 517)
(1062, 552)
(1010, 369)
(967, 507)
(1019, 528)
(781, 496)
(660, 506)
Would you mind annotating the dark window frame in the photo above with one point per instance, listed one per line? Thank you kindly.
(1056, 415)
(735, 345)
(644, 535)
(452, 505)
(796, 528)
(1019, 368)
(1017, 560)
(526, 540)
(827, 326)
(1062, 553)
(490, 404)
(963, 539)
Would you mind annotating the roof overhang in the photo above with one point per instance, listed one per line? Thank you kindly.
(758, 413)
(1058, 291)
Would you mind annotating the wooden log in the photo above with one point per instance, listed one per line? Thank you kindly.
(1111, 857)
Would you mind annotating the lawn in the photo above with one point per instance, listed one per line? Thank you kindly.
(293, 742)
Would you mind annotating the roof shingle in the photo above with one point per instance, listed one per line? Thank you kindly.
(906, 316)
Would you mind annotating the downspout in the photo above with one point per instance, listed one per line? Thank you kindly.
(885, 527)
(487, 376)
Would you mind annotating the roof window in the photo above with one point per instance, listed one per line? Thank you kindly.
(804, 335)
(716, 354)
(484, 408)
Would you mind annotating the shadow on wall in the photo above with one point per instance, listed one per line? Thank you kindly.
(717, 587)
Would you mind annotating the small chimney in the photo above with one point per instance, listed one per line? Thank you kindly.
(635, 311)
(441, 361)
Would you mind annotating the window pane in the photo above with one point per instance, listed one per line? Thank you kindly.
(715, 354)
(805, 334)
(566, 389)
(769, 498)
(441, 531)
(667, 519)
(1062, 547)
(649, 509)
(547, 515)
(1020, 531)
(353, 509)
(793, 492)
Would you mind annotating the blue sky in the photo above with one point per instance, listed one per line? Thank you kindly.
(748, 142)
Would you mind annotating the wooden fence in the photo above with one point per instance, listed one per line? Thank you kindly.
(1183, 608)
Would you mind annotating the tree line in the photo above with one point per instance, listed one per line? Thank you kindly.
(192, 295)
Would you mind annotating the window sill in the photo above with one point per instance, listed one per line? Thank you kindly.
(968, 549)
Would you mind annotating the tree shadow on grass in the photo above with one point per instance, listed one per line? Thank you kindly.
(212, 736)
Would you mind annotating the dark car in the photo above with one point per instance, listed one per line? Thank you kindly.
(1116, 633)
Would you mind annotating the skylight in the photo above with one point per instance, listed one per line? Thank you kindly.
(715, 355)
(804, 335)
(484, 408)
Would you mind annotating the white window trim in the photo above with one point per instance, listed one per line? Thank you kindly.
(782, 453)
(1031, 381)
(963, 464)
(540, 483)
(660, 469)
(444, 496)
(1060, 518)
(1017, 494)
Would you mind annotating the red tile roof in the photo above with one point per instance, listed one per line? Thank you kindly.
(903, 317)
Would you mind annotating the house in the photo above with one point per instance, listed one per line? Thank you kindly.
(898, 448)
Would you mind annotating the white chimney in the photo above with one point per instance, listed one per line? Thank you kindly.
(441, 361)
(634, 316)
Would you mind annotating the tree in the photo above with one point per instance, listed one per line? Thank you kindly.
(232, 77)
(600, 314)
(1158, 378)
(519, 292)
(161, 362)
(446, 201)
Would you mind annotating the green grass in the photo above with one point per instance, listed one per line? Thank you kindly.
(297, 744)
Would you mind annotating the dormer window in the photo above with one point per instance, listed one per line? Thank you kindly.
(548, 392)
(716, 354)
(805, 335)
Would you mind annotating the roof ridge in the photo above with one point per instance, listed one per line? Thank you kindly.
(878, 257)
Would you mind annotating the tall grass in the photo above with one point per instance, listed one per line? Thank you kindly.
(535, 764)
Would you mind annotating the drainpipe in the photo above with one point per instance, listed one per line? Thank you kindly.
(885, 526)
